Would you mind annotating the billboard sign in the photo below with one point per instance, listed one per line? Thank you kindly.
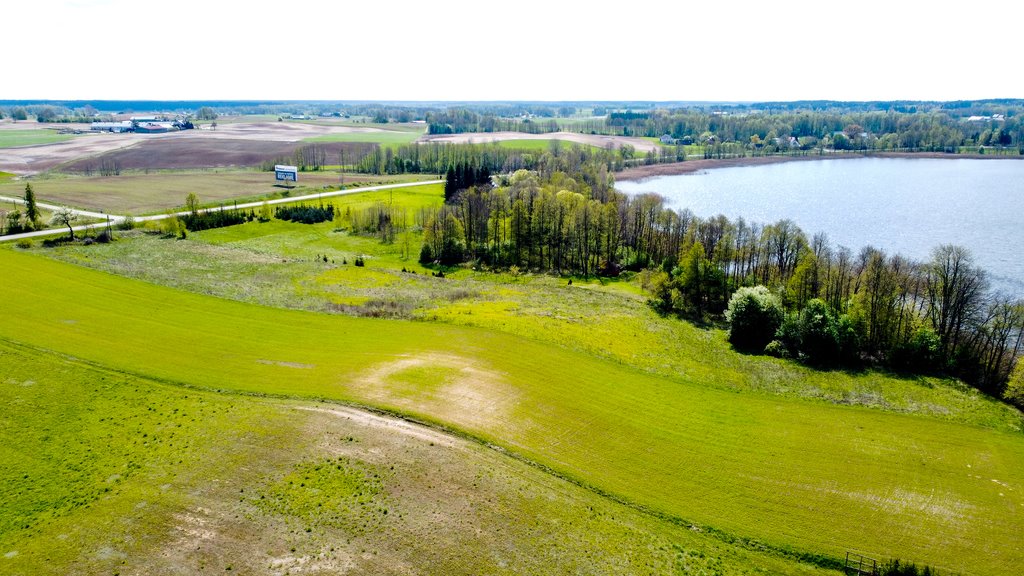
(286, 173)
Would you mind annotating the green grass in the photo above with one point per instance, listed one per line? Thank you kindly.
(104, 473)
(785, 472)
(275, 264)
(31, 137)
(536, 145)
(6, 176)
(383, 137)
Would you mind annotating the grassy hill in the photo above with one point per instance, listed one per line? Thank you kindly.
(104, 473)
(782, 473)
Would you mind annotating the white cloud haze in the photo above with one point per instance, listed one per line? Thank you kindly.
(530, 50)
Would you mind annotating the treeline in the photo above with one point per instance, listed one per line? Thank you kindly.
(872, 307)
(197, 220)
(305, 214)
(317, 157)
(434, 158)
(940, 129)
(464, 175)
(842, 308)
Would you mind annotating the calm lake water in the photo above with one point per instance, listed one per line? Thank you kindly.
(900, 205)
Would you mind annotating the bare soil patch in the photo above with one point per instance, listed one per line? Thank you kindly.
(30, 160)
(192, 153)
(598, 140)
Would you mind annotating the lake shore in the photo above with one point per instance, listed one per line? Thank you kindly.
(692, 166)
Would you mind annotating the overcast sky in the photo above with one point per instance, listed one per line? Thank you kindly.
(505, 50)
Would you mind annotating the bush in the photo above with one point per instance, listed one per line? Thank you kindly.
(305, 214)
(1014, 392)
(897, 567)
(920, 354)
(426, 254)
(24, 243)
(754, 315)
(213, 219)
(819, 333)
(776, 349)
(127, 224)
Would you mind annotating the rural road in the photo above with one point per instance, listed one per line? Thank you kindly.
(115, 218)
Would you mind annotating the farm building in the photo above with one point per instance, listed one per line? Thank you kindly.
(111, 126)
(152, 128)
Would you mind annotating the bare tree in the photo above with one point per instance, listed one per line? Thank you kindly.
(956, 293)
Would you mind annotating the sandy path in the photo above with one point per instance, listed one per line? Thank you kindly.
(598, 140)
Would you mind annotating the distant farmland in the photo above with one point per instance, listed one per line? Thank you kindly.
(186, 153)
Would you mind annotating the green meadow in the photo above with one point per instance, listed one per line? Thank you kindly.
(385, 137)
(791, 475)
(108, 473)
(30, 137)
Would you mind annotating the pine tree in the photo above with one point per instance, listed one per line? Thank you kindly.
(33, 220)
(450, 184)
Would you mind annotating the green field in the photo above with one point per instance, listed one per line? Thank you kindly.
(275, 264)
(793, 475)
(103, 472)
(137, 193)
(536, 145)
(31, 137)
(383, 137)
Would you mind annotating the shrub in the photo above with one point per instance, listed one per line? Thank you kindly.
(819, 333)
(754, 315)
(920, 354)
(777, 349)
(24, 243)
(896, 567)
(1014, 392)
(127, 224)
(305, 214)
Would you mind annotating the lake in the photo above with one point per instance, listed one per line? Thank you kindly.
(902, 205)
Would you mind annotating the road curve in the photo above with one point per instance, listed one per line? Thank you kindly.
(113, 219)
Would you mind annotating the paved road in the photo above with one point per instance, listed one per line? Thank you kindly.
(113, 219)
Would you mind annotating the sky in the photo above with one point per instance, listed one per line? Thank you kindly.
(522, 50)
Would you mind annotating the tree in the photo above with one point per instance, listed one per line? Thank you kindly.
(265, 213)
(955, 291)
(754, 315)
(192, 204)
(65, 216)
(1015, 387)
(819, 333)
(206, 113)
(33, 220)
